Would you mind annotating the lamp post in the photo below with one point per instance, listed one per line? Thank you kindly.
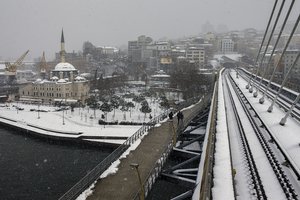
(136, 166)
(63, 116)
(38, 111)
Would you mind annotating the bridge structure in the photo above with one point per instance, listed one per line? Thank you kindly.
(246, 152)
(249, 150)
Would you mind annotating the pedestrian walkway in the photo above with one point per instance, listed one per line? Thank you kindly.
(124, 184)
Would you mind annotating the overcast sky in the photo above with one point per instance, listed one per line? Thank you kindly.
(36, 24)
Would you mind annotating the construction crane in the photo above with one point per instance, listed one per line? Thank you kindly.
(11, 69)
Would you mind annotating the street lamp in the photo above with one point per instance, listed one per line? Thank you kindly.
(136, 166)
(38, 111)
(63, 116)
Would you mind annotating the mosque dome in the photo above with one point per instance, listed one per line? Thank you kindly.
(54, 78)
(64, 66)
(79, 78)
(61, 81)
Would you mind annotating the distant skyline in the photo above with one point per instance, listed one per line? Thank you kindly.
(36, 24)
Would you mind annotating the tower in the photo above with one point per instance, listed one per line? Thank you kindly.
(43, 67)
(62, 47)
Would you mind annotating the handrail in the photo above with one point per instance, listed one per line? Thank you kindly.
(152, 176)
(205, 149)
(207, 174)
(154, 173)
(95, 173)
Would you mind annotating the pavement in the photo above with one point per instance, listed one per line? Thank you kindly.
(124, 184)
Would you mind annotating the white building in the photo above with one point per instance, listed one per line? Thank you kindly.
(226, 45)
(65, 84)
(289, 58)
(196, 55)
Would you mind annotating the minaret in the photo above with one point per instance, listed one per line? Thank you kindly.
(62, 47)
(43, 67)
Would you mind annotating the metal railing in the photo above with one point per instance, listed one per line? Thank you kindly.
(207, 175)
(95, 173)
(154, 173)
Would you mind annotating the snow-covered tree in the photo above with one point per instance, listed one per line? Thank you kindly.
(115, 103)
(164, 102)
(106, 108)
(139, 99)
(130, 105)
(145, 108)
(124, 108)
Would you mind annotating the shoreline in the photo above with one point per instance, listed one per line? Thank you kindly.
(46, 137)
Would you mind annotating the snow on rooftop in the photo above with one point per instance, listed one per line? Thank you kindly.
(232, 56)
(2, 66)
(61, 81)
(160, 76)
(214, 63)
(64, 66)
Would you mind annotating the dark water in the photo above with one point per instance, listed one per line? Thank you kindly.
(32, 168)
(165, 190)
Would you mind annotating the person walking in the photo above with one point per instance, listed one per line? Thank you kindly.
(179, 116)
(171, 115)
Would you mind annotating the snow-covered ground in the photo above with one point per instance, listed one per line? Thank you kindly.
(81, 120)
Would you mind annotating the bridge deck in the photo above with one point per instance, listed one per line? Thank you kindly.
(124, 184)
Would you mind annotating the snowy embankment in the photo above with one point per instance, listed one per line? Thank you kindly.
(223, 185)
(72, 125)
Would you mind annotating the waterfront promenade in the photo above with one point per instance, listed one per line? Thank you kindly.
(124, 183)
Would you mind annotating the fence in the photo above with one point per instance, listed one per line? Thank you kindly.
(154, 173)
(95, 173)
(206, 182)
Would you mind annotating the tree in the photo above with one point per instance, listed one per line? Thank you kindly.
(124, 108)
(115, 103)
(106, 108)
(139, 98)
(164, 102)
(93, 103)
(145, 108)
(130, 105)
